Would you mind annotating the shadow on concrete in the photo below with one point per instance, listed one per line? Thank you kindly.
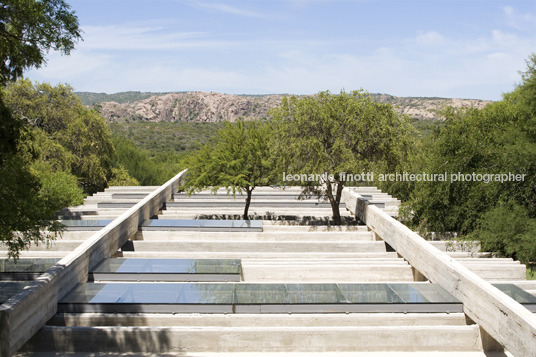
(101, 334)
(285, 219)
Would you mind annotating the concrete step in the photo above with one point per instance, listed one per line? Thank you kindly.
(260, 320)
(254, 210)
(458, 255)
(270, 354)
(335, 261)
(77, 235)
(255, 255)
(253, 215)
(241, 245)
(37, 254)
(255, 203)
(486, 260)
(254, 236)
(255, 339)
(500, 271)
(60, 244)
(326, 273)
(269, 226)
(456, 246)
(133, 189)
(95, 217)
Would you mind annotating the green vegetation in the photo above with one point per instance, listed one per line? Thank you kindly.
(177, 137)
(334, 134)
(91, 99)
(131, 161)
(29, 29)
(428, 126)
(497, 139)
(54, 150)
(58, 152)
(531, 273)
(237, 159)
(61, 133)
(32, 187)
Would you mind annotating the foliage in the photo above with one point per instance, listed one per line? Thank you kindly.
(139, 164)
(427, 127)
(177, 137)
(29, 29)
(67, 134)
(121, 177)
(498, 139)
(334, 134)
(60, 189)
(28, 202)
(508, 230)
(26, 206)
(237, 159)
(91, 99)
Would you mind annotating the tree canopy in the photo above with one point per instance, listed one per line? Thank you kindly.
(498, 139)
(63, 133)
(29, 29)
(335, 134)
(58, 151)
(237, 159)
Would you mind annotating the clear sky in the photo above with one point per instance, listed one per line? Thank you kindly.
(446, 48)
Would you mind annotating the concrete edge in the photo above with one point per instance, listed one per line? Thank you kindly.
(507, 321)
(26, 312)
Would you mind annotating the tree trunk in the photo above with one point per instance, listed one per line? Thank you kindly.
(334, 201)
(249, 190)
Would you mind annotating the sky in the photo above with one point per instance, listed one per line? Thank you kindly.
(432, 48)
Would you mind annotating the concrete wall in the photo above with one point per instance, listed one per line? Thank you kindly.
(25, 313)
(504, 319)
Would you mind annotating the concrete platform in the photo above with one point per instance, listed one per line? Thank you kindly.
(274, 236)
(240, 245)
(257, 339)
(271, 354)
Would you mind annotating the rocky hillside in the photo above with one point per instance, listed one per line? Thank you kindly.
(424, 108)
(215, 107)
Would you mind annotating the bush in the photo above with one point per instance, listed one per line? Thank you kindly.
(508, 230)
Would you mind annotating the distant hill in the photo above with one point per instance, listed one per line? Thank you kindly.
(91, 98)
(127, 107)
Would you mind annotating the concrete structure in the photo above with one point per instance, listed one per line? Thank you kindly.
(25, 313)
(297, 244)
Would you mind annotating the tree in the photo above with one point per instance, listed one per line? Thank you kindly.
(70, 137)
(140, 165)
(498, 139)
(25, 209)
(327, 135)
(54, 149)
(29, 29)
(29, 197)
(237, 159)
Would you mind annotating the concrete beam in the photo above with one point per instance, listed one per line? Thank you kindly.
(185, 339)
(504, 319)
(26, 312)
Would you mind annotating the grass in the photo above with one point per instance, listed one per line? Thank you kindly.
(531, 272)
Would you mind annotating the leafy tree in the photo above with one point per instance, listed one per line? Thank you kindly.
(237, 159)
(120, 177)
(25, 209)
(65, 133)
(334, 134)
(140, 165)
(29, 29)
(507, 229)
(28, 202)
(498, 139)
